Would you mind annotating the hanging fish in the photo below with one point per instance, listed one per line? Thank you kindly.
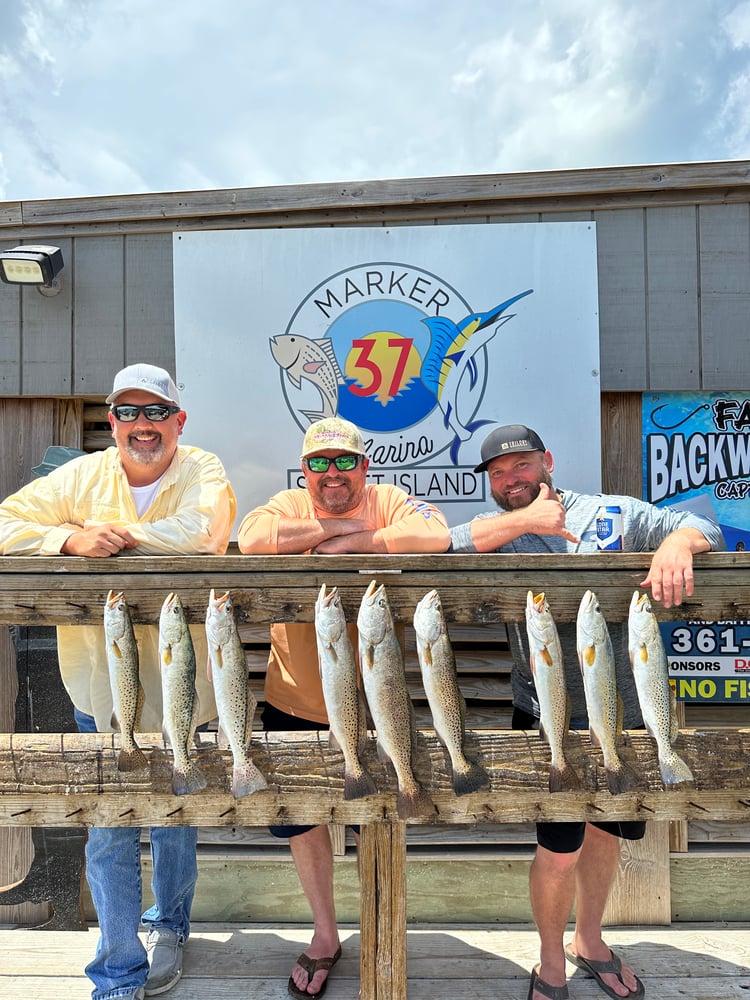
(658, 701)
(124, 680)
(235, 702)
(438, 665)
(603, 702)
(548, 671)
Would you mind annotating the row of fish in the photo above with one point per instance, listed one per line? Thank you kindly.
(383, 676)
(387, 696)
(603, 703)
(235, 702)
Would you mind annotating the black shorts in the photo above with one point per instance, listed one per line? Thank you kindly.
(274, 719)
(565, 838)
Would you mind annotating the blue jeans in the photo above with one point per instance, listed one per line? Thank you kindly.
(113, 872)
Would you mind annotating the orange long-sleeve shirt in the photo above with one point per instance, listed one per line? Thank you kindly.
(293, 679)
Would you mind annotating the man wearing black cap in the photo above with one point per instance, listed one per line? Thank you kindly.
(575, 862)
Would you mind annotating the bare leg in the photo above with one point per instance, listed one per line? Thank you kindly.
(595, 873)
(552, 887)
(313, 858)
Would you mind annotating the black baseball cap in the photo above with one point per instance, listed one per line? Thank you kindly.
(506, 439)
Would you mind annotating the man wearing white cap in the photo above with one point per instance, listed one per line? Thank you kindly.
(146, 496)
(339, 512)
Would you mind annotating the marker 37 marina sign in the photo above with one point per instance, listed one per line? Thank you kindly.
(404, 357)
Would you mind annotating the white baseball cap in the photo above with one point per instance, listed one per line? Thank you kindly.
(147, 378)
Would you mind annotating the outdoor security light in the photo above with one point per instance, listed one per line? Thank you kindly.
(31, 265)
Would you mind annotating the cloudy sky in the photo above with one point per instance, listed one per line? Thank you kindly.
(125, 96)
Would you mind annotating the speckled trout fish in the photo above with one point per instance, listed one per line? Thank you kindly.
(382, 665)
(235, 702)
(127, 691)
(438, 665)
(603, 703)
(658, 701)
(343, 696)
(548, 671)
(179, 697)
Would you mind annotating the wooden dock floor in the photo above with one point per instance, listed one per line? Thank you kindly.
(237, 962)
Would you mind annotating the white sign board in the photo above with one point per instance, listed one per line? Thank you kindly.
(425, 337)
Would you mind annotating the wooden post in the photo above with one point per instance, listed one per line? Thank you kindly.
(383, 911)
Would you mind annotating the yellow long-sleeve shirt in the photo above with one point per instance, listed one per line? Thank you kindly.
(293, 682)
(191, 514)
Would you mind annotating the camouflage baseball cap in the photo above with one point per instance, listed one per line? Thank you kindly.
(332, 433)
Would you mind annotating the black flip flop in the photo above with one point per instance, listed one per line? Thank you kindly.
(598, 969)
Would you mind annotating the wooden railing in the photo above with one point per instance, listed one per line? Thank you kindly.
(72, 780)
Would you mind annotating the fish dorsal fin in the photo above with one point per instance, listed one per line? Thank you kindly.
(327, 347)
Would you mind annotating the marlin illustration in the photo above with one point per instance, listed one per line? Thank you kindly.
(314, 360)
(452, 351)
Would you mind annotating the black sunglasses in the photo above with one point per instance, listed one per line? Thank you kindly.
(126, 413)
(344, 463)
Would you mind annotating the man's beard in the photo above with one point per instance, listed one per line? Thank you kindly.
(339, 504)
(146, 457)
(501, 500)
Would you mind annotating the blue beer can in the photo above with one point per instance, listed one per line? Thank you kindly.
(609, 529)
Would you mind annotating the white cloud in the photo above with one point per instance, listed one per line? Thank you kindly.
(107, 96)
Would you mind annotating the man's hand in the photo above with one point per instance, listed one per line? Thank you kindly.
(98, 541)
(366, 540)
(349, 535)
(546, 514)
(671, 572)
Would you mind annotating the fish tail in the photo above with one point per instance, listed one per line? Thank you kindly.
(246, 779)
(563, 779)
(313, 415)
(674, 770)
(131, 759)
(414, 802)
(359, 786)
(469, 779)
(620, 777)
(188, 780)
(476, 424)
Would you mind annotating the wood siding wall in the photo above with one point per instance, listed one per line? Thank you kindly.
(673, 255)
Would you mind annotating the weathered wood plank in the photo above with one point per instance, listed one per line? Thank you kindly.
(10, 334)
(622, 436)
(724, 232)
(483, 962)
(149, 296)
(72, 779)
(621, 259)
(431, 191)
(643, 863)
(47, 336)
(672, 299)
(487, 588)
(100, 315)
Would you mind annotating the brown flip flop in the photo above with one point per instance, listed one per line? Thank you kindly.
(311, 966)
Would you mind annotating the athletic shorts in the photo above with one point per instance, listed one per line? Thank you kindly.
(274, 719)
(565, 838)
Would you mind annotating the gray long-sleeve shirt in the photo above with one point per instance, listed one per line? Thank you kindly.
(644, 529)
